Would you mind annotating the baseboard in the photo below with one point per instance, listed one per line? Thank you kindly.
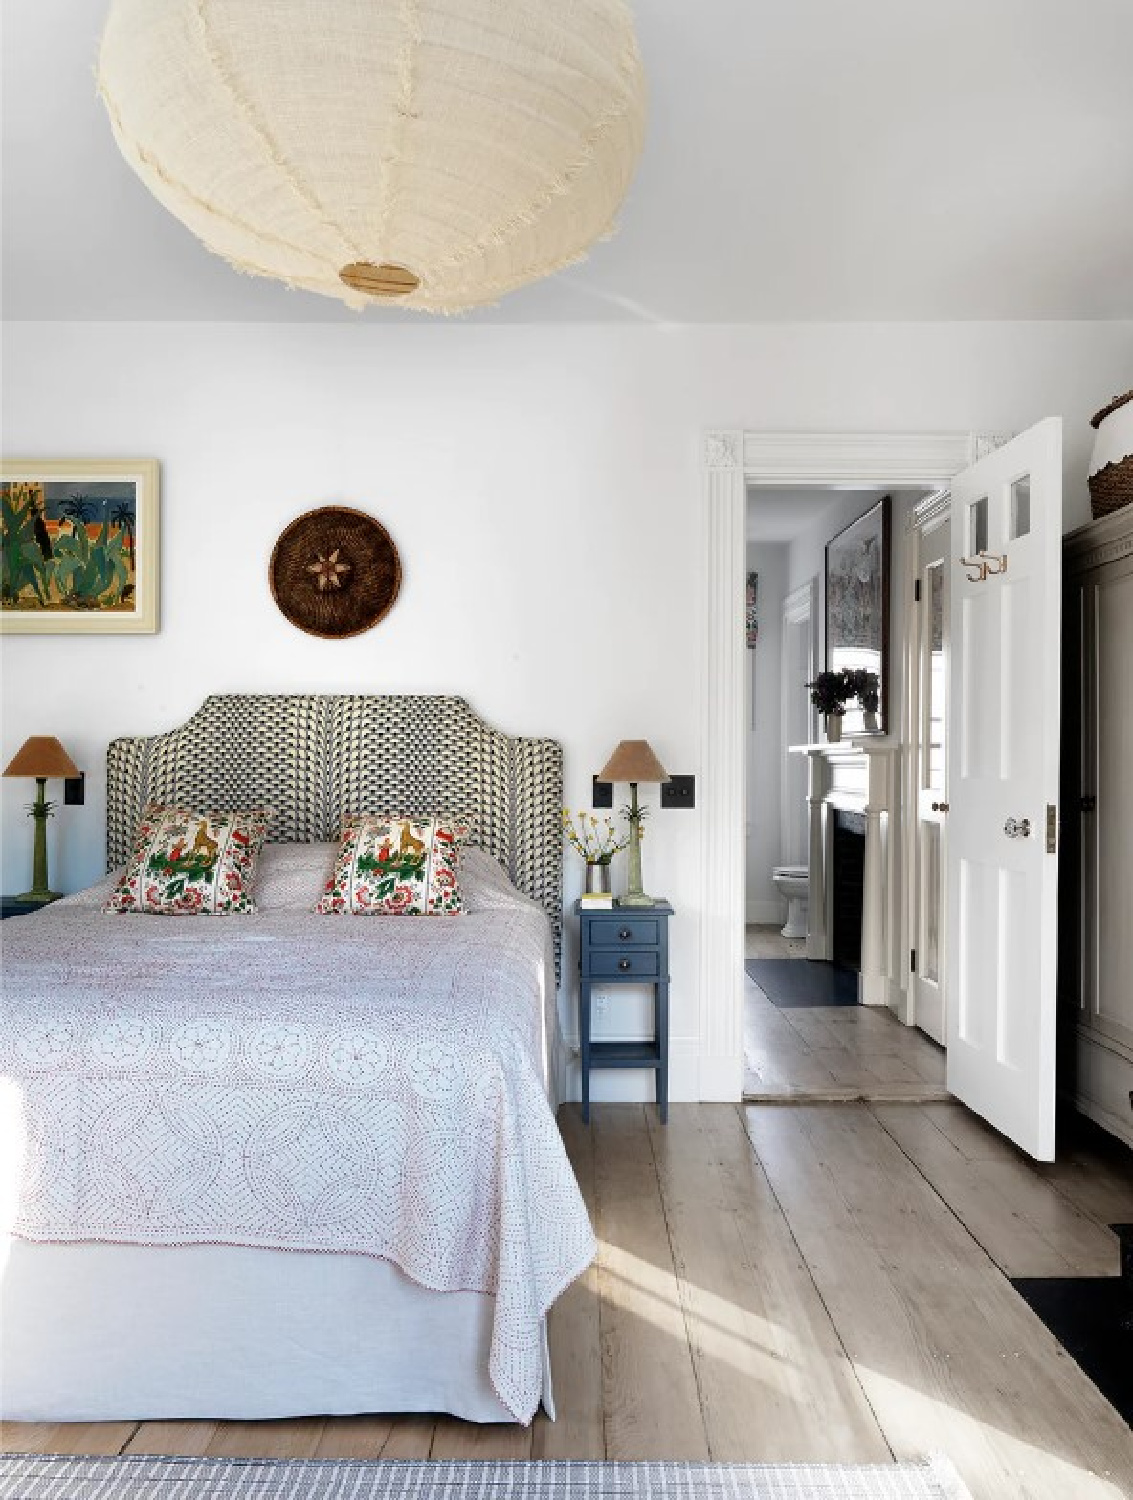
(721, 1079)
(765, 913)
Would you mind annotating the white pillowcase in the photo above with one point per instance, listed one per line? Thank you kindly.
(293, 875)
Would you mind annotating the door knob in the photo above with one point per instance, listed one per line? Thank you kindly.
(1016, 828)
(940, 807)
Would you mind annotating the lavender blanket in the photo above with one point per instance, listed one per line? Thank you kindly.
(365, 1085)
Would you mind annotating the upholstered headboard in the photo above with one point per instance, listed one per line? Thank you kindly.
(316, 757)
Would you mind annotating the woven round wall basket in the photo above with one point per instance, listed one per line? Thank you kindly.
(335, 572)
(1111, 466)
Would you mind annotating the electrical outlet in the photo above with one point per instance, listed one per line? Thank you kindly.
(601, 1004)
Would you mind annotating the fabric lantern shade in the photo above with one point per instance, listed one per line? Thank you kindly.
(436, 155)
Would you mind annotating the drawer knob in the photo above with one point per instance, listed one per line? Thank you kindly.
(625, 964)
(625, 934)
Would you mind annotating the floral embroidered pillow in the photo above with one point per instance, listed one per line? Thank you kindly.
(189, 862)
(397, 866)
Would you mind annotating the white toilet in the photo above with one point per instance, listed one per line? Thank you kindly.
(794, 883)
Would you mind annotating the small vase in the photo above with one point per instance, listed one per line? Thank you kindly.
(869, 721)
(833, 729)
(598, 879)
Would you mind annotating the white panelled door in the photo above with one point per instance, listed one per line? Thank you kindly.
(1003, 747)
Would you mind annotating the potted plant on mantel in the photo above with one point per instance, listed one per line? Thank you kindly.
(828, 694)
(863, 685)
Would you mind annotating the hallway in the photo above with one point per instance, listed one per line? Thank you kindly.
(831, 1052)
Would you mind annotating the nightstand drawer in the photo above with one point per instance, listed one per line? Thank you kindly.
(625, 932)
(634, 963)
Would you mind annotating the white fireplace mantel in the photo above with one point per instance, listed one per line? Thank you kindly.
(860, 775)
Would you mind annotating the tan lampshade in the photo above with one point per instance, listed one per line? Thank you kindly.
(42, 755)
(633, 760)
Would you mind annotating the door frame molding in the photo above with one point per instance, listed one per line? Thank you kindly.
(800, 604)
(731, 459)
(933, 511)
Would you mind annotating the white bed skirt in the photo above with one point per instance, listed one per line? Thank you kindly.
(96, 1332)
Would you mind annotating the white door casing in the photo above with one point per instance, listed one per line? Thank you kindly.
(798, 716)
(730, 460)
(931, 758)
(1003, 757)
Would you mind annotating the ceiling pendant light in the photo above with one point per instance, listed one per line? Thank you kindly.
(429, 153)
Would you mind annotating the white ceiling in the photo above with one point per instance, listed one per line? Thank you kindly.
(806, 160)
(782, 515)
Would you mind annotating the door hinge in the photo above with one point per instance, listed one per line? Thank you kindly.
(912, 960)
(1051, 828)
(917, 592)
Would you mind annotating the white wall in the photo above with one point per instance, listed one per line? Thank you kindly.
(765, 739)
(542, 485)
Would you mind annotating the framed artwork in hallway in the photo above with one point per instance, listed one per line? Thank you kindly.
(857, 608)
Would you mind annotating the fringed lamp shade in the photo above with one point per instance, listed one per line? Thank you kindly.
(432, 153)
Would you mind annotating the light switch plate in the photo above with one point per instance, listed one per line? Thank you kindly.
(679, 791)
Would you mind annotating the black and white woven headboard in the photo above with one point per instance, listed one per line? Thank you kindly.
(316, 757)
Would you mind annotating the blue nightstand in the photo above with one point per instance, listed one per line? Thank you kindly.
(628, 945)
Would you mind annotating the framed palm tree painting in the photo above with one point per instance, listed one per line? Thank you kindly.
(79, 546)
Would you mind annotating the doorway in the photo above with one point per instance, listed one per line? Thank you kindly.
(805, 1034)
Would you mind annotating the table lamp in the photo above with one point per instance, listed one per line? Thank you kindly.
(634, 761)
(41, 756)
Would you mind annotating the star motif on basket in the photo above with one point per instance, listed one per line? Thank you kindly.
(328, 571)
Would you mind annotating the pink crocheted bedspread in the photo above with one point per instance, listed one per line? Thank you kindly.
(368, 1085)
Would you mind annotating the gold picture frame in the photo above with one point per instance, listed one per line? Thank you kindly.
(79, 546)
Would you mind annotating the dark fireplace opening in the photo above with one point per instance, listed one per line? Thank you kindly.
(848, 885)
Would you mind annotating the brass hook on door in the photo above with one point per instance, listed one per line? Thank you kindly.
(980, 575)
(998, 558)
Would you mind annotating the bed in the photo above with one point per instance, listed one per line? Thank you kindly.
(280, 1164)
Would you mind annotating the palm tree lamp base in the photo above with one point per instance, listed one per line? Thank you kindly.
(634, 761)
(41, 756)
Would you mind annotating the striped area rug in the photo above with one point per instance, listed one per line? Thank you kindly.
(139, 1477)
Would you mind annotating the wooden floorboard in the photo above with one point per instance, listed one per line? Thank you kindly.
(843, 1053)
(184, 1439)
(771, 1373)
(948, 1354)
(289, 1437)
(649, 1391)
(1021, 1220)
(817, 1282)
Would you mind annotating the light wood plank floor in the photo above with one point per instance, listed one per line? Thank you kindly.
(822, 1282)
(831, 1053)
